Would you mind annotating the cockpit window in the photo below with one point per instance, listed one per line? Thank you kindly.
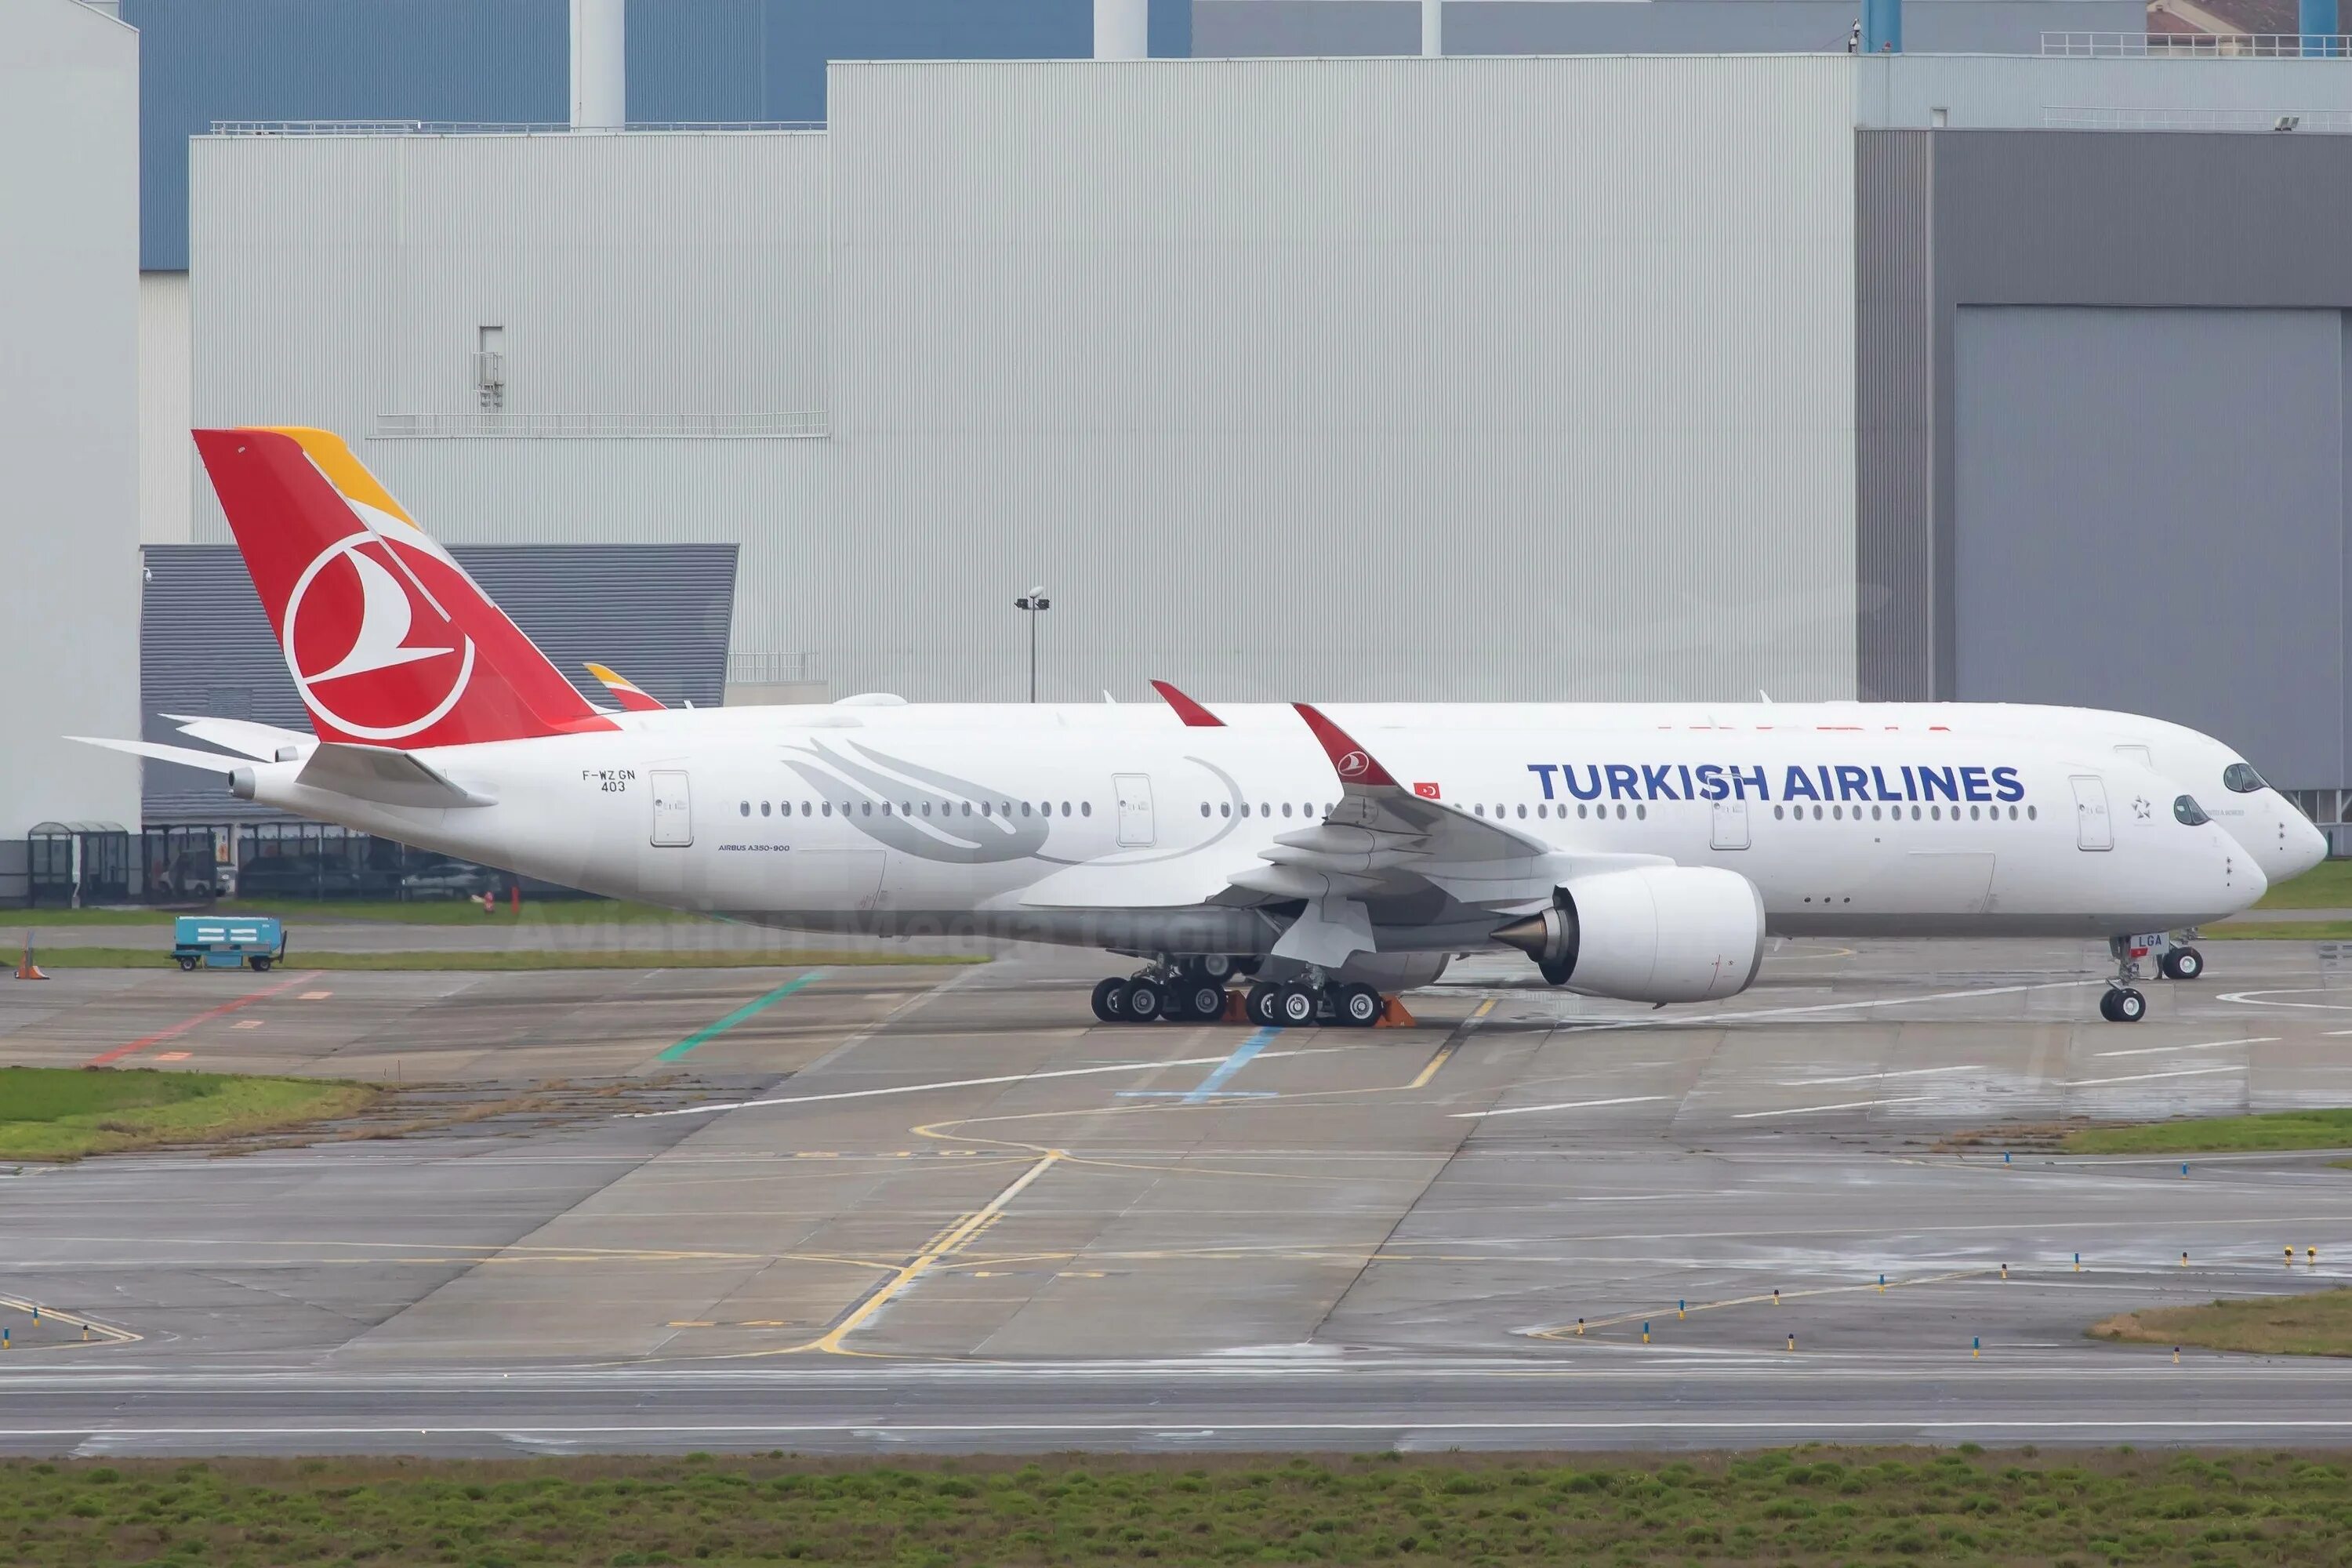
(2189, 813)
(2242, 778)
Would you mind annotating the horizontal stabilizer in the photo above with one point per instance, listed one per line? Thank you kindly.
(186, 756)
(261, 741)
(384, 776)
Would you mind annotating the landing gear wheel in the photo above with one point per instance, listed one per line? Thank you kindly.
(2182, 964)
(1110, 996)
(1293, 1006)
(1142, 1000)
(2122, 1004)
(1201, 1001)
(1261, 1004)
(1215, 967)
(1358, 1006)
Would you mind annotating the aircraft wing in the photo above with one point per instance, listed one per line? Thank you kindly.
(1384, 841)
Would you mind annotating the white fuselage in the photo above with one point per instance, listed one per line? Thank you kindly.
(1124, 835)
(2281, 839)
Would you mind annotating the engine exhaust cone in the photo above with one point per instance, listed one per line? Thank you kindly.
(1528, 935)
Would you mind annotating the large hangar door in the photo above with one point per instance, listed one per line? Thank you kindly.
(2149, 515)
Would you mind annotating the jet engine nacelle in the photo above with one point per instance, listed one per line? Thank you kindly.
(1656, 934)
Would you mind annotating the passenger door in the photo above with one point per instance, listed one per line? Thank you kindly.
(673, 815)
(1730, 817)
(2093, 831)
(1134, 825)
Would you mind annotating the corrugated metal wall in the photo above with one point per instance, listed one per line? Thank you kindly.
(658, 614)
(1472, 377)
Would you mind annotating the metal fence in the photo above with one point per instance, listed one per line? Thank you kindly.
(2315, 121)
(770, 666)
(802, 426)
(2197, 46)
(493, 128)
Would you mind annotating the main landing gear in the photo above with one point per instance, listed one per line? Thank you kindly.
(1194, 992)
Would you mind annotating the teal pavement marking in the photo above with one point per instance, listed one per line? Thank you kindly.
(749, 1010)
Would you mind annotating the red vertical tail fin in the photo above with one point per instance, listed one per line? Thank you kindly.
(389, 641)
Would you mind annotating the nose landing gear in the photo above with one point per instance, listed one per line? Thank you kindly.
(2123, 1004)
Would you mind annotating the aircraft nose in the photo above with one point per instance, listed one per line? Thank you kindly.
(2306, 845)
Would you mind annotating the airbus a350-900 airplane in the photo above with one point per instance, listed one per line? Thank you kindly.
(1644, 863)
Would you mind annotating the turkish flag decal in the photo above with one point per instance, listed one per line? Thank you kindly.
(1426, 791)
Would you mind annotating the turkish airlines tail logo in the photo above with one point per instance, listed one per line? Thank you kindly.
(387, 638)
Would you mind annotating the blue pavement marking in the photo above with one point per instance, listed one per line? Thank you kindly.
(1219, 1076)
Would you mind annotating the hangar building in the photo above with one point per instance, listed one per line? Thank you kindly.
(1951, 376)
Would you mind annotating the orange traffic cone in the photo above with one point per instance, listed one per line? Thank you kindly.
(25, 968)
(1394, 1016)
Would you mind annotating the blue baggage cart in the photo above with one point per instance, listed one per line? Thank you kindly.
(218, 941)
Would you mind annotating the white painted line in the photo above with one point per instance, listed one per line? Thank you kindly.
(1873, 1077)
(1843, 1105)
(2202, 1045)
(1563, 1105)
(1704, 1020)
(2246, 999)
(2144, 1076)
(953, 1083)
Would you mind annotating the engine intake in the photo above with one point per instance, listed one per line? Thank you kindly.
(1656, 934)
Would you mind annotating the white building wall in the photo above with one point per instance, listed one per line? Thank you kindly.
(165, 453)
(1410, 378)
(1504, 377)
(68, 411)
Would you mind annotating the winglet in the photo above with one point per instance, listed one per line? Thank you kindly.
(1195, 717)
(1353, 764)
(628, 693)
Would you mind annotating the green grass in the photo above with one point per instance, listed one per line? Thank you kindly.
(2276, 931)
(520, 958)
(2276, 1129)
(2318, 1323)
(421, 911)
(65, 1113)
(1810, 1508)
(2326, 886)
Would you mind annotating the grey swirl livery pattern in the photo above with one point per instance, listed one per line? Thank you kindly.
(960, 840)
(880, 786)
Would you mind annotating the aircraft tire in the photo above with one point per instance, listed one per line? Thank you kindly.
(1293, 1006)
(2122, 1004)
(1108, 995)
(1358, 1006)
(2183, 963)
(1261, 1004)
(1198, 999)
(1142, 1001)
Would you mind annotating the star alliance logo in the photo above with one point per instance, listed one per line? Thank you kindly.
(2141, 809)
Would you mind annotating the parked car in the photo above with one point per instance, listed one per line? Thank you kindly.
(308, 877)
(451, 879)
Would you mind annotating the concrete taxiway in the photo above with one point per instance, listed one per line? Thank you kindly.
(933, 1208)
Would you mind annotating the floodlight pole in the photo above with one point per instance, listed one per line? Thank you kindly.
(1035, 603)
